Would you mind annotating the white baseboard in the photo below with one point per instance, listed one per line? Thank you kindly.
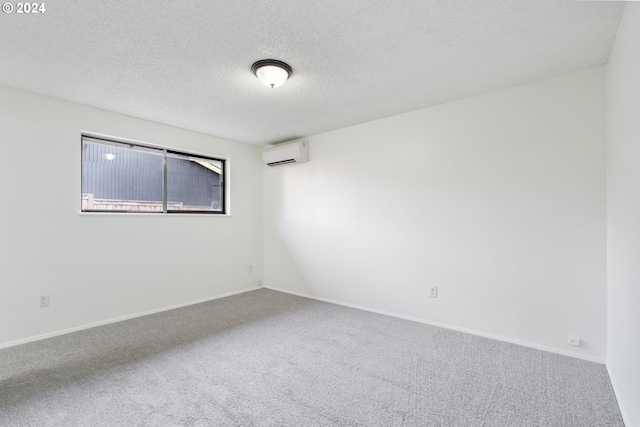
(118, 319)
(359, 307)
(447, 326)
(614, 384)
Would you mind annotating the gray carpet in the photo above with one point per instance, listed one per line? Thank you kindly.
(265, 358)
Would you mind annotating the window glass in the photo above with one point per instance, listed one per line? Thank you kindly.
(122, 177)
(194, 183)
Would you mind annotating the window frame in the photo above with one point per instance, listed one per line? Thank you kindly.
(163, 151)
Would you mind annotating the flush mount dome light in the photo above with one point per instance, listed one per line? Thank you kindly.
(271, 72)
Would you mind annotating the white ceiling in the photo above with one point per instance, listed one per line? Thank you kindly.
(187, 62)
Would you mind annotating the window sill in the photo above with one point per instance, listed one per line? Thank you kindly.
(153, 214)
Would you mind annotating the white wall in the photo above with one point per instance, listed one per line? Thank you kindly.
(99, 267)
(499, 200)
(623, 153)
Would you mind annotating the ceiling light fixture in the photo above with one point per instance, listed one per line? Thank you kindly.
(271, 72)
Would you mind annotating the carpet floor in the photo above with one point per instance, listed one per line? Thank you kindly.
(265, 358)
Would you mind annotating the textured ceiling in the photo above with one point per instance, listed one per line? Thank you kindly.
(187, 62)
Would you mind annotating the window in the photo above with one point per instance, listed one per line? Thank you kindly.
(130, 177)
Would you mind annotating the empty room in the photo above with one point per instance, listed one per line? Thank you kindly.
(320, 213)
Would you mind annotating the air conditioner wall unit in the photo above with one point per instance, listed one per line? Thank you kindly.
(286, 153)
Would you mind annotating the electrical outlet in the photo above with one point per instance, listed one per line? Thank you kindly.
(573, 340)
(43, 300)
(259, 282)
(251, 269)
(433, 292)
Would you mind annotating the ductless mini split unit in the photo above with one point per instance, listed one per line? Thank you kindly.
(286, 153)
